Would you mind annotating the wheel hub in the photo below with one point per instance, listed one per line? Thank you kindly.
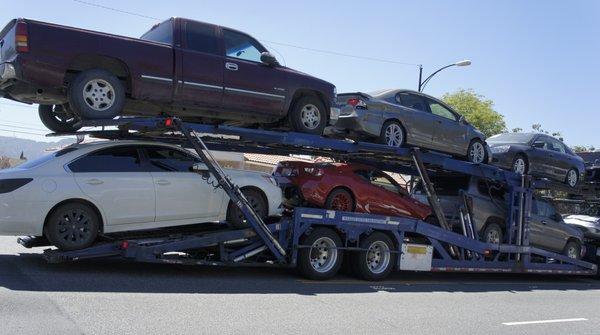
(477, 153)
(323, 254)
(394, 135)
(98, 94)
(378, 257)
(310, 116)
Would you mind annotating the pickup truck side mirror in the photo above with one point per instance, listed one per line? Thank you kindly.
(268, 59)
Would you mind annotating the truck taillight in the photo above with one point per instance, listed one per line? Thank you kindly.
(22, 37)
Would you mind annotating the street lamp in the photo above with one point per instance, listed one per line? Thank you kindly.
(422, 84)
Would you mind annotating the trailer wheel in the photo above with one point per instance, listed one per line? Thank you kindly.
(72, 226)
(573, 250)
(97, 94)
(377, 261)
(322, 259)
(58, 118)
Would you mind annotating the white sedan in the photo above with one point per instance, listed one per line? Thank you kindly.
(73, 195)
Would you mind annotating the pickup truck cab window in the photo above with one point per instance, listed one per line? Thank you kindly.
(162, 33)
(242, 46)
(201, 37)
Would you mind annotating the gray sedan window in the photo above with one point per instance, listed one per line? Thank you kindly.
(439, 110)
(411, 101)
(556, 145)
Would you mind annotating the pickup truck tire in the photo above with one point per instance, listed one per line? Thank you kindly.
(308, 115)
(96, 94)
(72, 226)
(57, 118)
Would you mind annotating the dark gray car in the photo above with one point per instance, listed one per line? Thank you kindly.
(537, 154)
(489, 202)
(397, 117)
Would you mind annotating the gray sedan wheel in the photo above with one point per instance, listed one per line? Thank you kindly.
(572, 178)
(520, 165)
(392, 134)
(476, 152)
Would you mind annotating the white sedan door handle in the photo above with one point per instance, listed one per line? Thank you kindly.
(163, 182)
(94, 181)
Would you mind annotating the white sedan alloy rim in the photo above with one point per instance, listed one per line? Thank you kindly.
(99, 94)
(519, 166)
(310, 116)
(477, 153)
(394, 135)
(572, 178)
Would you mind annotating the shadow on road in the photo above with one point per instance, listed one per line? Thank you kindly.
(30, 272)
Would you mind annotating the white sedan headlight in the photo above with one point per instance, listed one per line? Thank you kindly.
(500, 149)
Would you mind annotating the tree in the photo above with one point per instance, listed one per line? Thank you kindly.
(583, 148)
(478, 110)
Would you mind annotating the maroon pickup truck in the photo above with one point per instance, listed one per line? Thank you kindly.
(198, 71)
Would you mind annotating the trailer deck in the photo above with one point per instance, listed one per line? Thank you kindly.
(413, 245)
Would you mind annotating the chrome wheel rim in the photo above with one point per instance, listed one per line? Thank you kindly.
(74, 226)
(572, 252)
(572, 178)
(323, 255)
(394, 135)
(98, 94)
(310, 116)
(477, 153)
(493, 237)
(378, 257)
(519, 166)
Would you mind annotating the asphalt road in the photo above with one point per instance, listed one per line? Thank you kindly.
(104, 297)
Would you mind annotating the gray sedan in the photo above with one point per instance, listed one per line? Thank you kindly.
(537, 154)
(397, 117)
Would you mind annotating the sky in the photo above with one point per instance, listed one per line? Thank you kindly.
(539, 61)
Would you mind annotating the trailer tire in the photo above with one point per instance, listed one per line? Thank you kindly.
(308, 115)
(321, 260)
(96, 94)
(57, 119)
(377, 261)
(72, 226)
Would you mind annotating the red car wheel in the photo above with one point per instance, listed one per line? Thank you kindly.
(340, 200)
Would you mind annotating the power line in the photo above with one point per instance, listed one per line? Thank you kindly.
(329, 52)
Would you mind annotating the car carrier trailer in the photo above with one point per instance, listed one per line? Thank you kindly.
(316, 240)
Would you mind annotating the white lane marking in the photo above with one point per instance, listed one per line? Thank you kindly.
(542, 321)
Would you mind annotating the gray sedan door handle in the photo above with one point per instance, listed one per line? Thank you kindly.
(94, 181)
(231, 66)
(163, 182)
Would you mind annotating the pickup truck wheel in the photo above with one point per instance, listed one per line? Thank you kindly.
(308, 115)
(58, 118)
(377, 261)
(236, 218)
(492, 234)
(320, 259)
(72, 226)
(97, 94)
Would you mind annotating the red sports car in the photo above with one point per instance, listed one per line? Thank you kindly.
(347, 187)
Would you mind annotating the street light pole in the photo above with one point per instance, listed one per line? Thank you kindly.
(423, 83)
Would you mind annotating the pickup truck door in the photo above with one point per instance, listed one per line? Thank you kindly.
(199, 67)
(250, 85)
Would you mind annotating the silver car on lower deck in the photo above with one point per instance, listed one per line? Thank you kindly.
(400, 117)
